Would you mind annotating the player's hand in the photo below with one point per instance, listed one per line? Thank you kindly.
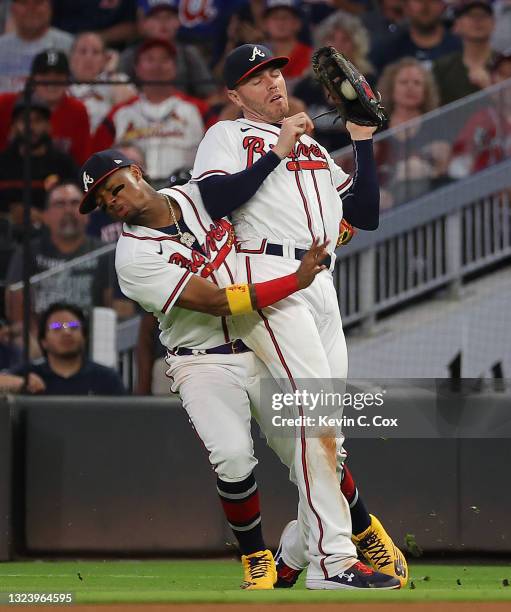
(311, 263)
(291, 130)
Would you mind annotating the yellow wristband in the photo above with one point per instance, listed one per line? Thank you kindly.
(238, 298)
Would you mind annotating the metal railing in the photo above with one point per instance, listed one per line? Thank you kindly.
(441, 147)
(435, 241)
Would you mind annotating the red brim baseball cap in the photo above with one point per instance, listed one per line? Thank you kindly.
(95, 170)
(244, 61)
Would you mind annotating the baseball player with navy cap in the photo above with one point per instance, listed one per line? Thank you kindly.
(286, 192)
(180, 265)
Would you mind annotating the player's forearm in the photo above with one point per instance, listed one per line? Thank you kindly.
(222, 194)
(361, 203)
(203, 296)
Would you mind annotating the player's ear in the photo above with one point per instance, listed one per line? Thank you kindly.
(136, 172)
(233, 96)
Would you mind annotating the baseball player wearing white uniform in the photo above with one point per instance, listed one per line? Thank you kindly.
(284, 193)
(165, 269)
(179, 264)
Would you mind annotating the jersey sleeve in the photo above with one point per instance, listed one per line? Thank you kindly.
(342, 181)
(152, 282)
(217, 154)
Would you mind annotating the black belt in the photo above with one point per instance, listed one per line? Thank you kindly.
(231, 348)
(278, 249)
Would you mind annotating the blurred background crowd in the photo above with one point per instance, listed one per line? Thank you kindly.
(145, 76)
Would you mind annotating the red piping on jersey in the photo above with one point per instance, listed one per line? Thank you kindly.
(196, 178)
(346, 182)
(319, 201)
(296, 166)
(302, 429)
(260, 251)
(256, 127)
(176, 289)
(304, 200)
(156, 239)
(192, 205)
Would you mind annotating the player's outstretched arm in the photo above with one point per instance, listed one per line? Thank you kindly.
(203, 296)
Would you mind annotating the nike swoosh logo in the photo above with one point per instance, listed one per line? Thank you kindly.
(160, 252)
(245, 129)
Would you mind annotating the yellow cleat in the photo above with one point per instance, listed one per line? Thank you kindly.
(259, 571)
(378, 549)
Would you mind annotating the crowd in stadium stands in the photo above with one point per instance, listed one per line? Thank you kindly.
(145, 75)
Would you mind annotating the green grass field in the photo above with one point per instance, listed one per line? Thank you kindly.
(217, 581)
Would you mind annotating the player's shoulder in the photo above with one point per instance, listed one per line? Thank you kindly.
(221, 128)
(135, 241)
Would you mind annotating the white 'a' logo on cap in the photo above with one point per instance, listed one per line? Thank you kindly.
(87, 180)
(256, 52)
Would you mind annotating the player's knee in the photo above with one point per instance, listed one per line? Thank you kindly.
(236, 463)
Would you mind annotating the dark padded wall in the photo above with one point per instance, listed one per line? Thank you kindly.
(5, 479)
(132, 477)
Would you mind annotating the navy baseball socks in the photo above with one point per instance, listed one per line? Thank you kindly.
(240, 501)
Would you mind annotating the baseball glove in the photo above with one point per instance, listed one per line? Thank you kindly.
(350, 92)
(346, 233)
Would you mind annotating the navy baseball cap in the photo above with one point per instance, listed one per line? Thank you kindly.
(247, 59)
(152, 6)
(51, 60)
(466, 5)
(95, 170)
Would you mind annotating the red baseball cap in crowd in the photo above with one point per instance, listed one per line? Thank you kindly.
(155, 42)
(247, 59)
(95, 170)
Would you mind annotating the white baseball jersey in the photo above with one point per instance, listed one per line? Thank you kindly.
(153, 269)
(298, 201)
(300, 338)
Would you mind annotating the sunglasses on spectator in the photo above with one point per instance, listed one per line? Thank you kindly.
(58, 325)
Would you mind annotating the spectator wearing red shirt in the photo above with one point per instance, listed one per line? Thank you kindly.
(486, 137)
(282, 24)
(70, 129)
(162, 121)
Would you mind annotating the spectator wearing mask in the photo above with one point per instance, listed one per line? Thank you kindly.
(70, 128)
(160, 120)
(414, 160)
(425, 36)
(348, 35)
(88, 62)
(49, 164)
(91, 282)
(485, 139)
(114, 20)
(467, 71)
(282, 23)
(159, 19)
(32, 34)
(65, 369)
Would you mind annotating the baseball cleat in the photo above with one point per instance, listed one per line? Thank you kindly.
(378, 549)
(286, 576)
(258, 570)
(358, 576)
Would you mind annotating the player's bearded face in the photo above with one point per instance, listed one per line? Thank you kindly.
(263, 97)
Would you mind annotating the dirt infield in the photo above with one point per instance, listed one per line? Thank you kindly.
(432, 606)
